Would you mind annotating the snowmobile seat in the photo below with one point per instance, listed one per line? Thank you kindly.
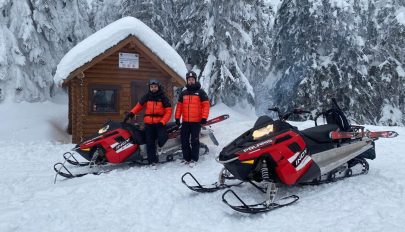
(137, 134)
(337, 117)
(171, 126)
(320, 134)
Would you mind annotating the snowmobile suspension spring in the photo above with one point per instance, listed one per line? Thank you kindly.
(93, 160)
(265, 171)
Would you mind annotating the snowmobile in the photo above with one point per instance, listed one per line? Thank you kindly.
(275, 153)
(120, 144)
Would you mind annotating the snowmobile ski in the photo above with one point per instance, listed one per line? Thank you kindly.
(209, 122)
(262, 207)
(68, 174)
(213, 139)
(62, 170)
(335, 135)
(224, 175)
(74, 161)
(217, 119)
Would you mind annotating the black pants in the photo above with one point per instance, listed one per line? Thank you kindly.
(154, 132)
(190, 133)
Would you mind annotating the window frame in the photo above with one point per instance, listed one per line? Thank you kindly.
(115, 88)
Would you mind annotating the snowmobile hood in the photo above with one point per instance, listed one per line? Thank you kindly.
(259, 136)
(105, 129)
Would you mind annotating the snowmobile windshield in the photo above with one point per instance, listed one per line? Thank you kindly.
(104, 129)
(109, 126)
(259, 133)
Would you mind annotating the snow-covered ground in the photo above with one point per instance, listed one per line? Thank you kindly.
(142, 199)
(34, 122)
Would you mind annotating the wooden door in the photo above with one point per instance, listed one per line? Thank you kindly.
(138, 89)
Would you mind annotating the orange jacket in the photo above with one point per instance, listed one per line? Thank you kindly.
(158, 108)
(193, 105)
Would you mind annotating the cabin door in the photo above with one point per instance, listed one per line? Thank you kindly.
(138, 89)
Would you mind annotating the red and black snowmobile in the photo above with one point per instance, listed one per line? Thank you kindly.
(276, 153)
(122, 143)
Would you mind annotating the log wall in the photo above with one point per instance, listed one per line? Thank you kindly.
(83, 122)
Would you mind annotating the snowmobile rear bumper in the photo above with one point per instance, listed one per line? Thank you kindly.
(369, 154)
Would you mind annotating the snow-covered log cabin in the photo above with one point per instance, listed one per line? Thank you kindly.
(107, 73)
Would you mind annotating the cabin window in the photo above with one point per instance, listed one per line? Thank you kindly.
(103, 99)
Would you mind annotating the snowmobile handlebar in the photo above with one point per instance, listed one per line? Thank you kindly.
(318, 115)
(335, 107)
(284, 117)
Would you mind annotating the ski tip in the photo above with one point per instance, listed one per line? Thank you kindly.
(386, 134)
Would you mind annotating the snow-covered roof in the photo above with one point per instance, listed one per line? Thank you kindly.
(111, 35)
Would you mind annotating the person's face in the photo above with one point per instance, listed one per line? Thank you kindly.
(153, 88)
(191, 81)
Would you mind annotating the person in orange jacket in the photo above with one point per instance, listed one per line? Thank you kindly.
(158, 111)
(193, 106)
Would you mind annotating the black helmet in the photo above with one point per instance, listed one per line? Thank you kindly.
(191, 74)
(153, 82)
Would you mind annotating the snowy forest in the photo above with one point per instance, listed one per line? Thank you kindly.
(285, 53)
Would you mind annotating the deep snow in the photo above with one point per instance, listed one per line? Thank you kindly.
(142, 199)
(34, 122)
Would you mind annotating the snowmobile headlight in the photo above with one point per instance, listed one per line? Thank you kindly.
(262, 132)
(104, 129)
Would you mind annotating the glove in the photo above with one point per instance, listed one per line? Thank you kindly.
(178, 122)
(128, 116)
(203, 121)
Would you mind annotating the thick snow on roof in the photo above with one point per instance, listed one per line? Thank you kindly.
(111, 35)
